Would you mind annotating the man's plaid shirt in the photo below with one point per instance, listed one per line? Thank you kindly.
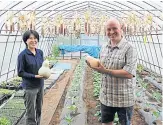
(118, 92)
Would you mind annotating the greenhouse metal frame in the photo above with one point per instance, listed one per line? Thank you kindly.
(148, 43)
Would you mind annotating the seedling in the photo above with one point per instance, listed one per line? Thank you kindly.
(147, 107)
(139, 93)
(68, 119)
(55, 51)
(140, 68)
(6, 91)
(96, 83)
(16, 83)
(3, 84)
(144, 85)
(98, 106)
(157, 96)
(98, 113)
(156, 114)
(99, 119)
(116, 119)
(73, 108)
(4, 121)
(19, 79)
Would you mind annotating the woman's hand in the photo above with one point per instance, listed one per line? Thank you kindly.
(50, 65)
(38, 76)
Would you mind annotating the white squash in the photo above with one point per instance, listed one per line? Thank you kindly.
(93, 61)
(45, 70)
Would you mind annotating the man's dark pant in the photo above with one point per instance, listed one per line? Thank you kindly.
(124, 114)
(33, 103)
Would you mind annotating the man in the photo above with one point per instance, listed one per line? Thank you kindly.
(118, 67)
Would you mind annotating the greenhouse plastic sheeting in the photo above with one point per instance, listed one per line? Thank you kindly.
(63, 66)
(57, 73)
(91, 50)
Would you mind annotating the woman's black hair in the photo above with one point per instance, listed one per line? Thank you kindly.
(27, 34)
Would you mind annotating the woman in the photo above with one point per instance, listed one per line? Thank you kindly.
(29, 62)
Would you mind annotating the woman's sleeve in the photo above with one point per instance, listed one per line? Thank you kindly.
(42, 54)
(21, 68)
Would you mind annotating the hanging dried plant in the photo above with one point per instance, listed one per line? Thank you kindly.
(6, 23)
(145, 39)
(32, 19)
(9, 23)
(156, 27)
(11, 18)
(42, 31)
(22, 22)
(87, 16)
(43, 23)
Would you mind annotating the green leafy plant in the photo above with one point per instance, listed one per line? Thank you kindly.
(98, 113)
(99, 119)
(73, 108)
(55, 51)
(68, 119)
(96, 83)
(116, 119)
(157, 96)
(3, 84)
(96, 91)
(18, 79)
(15, 83)
(152, 75)
(147, 107)
(140, 68)
(74, 91)
(15, 104)
(4, 121)
(6, 91)
(139, 93)
(144, 85)
(156, 114)
(139, 80)
(48, 58)
(98, 106)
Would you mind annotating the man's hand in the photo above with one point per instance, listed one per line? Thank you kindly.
(100, 69)
(38, 76)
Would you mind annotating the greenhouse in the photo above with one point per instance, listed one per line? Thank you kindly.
(81, 62)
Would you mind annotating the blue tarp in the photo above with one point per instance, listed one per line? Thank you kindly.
(91, 50)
